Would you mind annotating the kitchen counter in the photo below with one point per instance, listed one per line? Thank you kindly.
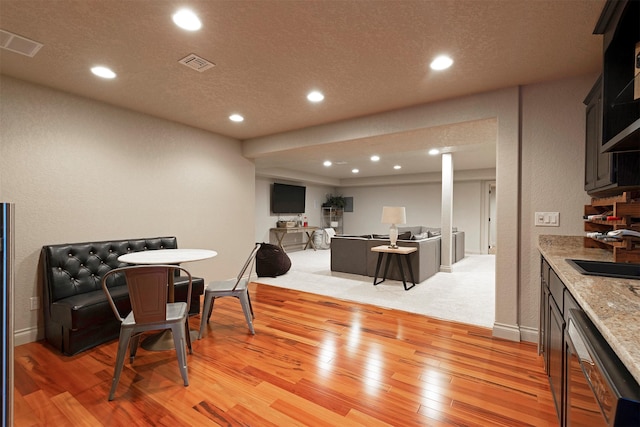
(612, 304)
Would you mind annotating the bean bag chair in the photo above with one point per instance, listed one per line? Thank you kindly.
(271, 261)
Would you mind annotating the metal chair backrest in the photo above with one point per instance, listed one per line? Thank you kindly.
(147, 286)
(248, 264)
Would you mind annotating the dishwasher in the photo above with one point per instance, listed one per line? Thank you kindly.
(600, 390)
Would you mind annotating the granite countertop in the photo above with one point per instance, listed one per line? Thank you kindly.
(613, 305)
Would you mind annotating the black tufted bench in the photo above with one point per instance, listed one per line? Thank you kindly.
(77, 315)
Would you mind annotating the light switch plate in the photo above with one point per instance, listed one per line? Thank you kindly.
(547, 219)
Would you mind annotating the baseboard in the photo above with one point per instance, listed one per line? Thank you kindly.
(529, 334)
(25, 336)
(446, 269)
(507, 332)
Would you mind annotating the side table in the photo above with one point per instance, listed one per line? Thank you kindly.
(399, 252)
(280, 232)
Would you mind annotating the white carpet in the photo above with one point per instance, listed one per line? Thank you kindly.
(467, 295)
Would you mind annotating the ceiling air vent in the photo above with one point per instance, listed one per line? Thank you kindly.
(197, 63)
(19, 44)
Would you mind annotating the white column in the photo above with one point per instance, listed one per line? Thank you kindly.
(447, 214)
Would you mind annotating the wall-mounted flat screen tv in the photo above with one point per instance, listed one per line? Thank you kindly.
(288, 199)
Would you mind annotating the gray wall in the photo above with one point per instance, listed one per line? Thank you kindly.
(80, 170)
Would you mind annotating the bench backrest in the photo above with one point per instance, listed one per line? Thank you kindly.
(74, 268)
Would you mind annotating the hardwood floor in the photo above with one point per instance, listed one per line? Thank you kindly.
(314, 361)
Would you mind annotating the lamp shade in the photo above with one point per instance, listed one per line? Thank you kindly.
(393, 215)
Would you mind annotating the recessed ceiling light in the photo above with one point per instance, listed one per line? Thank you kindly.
(315, 96)
(375, 158)
(434, 151)
(327, 163)
(396, 167)
(103, 72)
(442, 62)
(236, 118)
(355, 170)
(187, 20)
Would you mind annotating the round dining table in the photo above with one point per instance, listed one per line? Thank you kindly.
(164, 340)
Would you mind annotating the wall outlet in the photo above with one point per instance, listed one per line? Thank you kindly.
(547, 219)
(35, 303)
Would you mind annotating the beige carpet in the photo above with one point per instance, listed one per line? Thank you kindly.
(467, 295)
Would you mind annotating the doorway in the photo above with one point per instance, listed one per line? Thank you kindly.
(489, 230)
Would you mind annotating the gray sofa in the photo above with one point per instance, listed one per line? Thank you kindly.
(352, 254)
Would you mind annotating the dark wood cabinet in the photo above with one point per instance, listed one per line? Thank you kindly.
(612, 134)
(619, 23)
(600, 395)
(552, 324)
(605, 173)
(597, 165)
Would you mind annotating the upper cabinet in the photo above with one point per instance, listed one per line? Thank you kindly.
(619, 24)
(605, 173)
(612, 156)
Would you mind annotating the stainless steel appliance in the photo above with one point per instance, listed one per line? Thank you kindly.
(600, 390)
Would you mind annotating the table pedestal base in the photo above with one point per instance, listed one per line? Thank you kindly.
(163, 340)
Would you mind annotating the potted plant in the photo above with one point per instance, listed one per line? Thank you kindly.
(336, 201)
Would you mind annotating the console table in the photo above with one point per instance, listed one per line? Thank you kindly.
(399, 252)
(280, 232)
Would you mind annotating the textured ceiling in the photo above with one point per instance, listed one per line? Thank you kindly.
(366, 57)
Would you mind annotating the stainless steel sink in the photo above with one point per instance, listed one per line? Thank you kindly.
(608, 269)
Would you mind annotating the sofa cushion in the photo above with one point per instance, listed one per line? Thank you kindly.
(420, 236)
(404, 236)
(380, 236)
(90, 308)
(413, 229)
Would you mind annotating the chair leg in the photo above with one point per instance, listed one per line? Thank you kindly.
(206, 313)
(188, 333)
(181, 353)
(250, 305)
(133, 347)
(123, 344)
(246, 308)
(213, 301)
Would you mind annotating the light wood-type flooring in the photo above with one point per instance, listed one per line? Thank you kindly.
(314, 361)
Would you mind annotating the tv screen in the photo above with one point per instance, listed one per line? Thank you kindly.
(288, 199)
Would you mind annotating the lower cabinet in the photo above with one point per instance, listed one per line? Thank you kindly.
(555, 347)
(552, 339)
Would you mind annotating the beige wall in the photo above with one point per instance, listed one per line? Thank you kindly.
(502, 105)
(80, 170)
(553, 135)
(315, 195)
(540, 167)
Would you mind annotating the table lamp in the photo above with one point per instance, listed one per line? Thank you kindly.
(393, 215)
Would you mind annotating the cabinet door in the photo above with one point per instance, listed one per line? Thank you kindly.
(544, 312)
(597, 170)
(555, 348)
(592, 142)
